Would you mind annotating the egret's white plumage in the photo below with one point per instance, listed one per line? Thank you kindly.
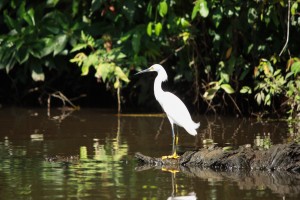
(175, 109)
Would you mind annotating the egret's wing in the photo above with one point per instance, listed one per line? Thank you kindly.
(177, 111)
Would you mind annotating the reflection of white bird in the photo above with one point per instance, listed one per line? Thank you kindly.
(190, 196)
(175, 109)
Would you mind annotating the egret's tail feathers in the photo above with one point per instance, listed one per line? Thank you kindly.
(197, 125)
(192, 129)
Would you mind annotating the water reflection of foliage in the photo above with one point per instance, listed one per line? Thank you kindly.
(263, 142)
(104, 163)
(294, 131)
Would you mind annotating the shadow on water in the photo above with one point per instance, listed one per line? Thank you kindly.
(90, 154)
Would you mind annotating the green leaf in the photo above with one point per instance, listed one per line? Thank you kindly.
(60, 43)
(126, 36)
(246, 89)
(136, 42)
(224, 77)
(210, 93)
(22, 55)
(149, 10)
(149, 28)
(29, 17)
(252, 15)
(258, 98)
(294, 8)
(48, 46)
(11, 23)
(203, 9)
(119, 73)
(295, 68)
(37, 73)
(268, 100)
(195, 10)
(227, 88)
(158, 28)
(103, 70)
(85, 70)
(163, 8)
(35, 48)
(79, 47)
(217, 16)
(184, 22)
(89, 61)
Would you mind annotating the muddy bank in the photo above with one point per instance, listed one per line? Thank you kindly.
(280, 157)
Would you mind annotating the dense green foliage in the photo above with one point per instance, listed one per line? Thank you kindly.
(231, 52)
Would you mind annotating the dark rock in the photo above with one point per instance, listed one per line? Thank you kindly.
(281, 157)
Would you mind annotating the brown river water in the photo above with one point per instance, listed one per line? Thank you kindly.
(101, 147)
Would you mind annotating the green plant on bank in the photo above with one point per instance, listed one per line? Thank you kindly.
(33, 39)
(270, 83)
(211, 45)
(278, 84)
(103, 58)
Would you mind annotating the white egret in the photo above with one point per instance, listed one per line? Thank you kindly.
(174, 108)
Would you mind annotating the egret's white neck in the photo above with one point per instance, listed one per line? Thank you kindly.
(161, 76)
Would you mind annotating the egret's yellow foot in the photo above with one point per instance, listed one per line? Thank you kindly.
(173, 171)
(173, 156)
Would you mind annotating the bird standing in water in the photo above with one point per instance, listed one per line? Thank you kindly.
(174, 108)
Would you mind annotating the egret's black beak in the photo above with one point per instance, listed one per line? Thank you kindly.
(143, 71)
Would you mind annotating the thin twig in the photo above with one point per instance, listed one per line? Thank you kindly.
(288, 29)
(62, 97)
(236, 106)
(119, 98)
(167, 58)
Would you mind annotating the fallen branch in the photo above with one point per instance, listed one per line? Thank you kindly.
(281, 157)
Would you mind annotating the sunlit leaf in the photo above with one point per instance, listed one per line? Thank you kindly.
(201, 8)
(246, 89)
(195, 10)
(184, 22)
(103, 70)
(149, 28)
(60, 43)
(79, 47)
(258, 98)
(126, 36)
(295, 68)
(227, 88)
(88, 61)
(158, 28)
(119, 73)
(294, 8)
(37, 73)
(210, 93)
(252, 15)
(224, 77)
(185, 36)
(217, 16)
(117, 84)
(267, 100)
(163, 8)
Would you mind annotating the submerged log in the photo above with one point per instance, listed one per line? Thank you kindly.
(280, 157)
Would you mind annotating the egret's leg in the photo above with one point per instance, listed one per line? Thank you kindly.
(174, 144)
